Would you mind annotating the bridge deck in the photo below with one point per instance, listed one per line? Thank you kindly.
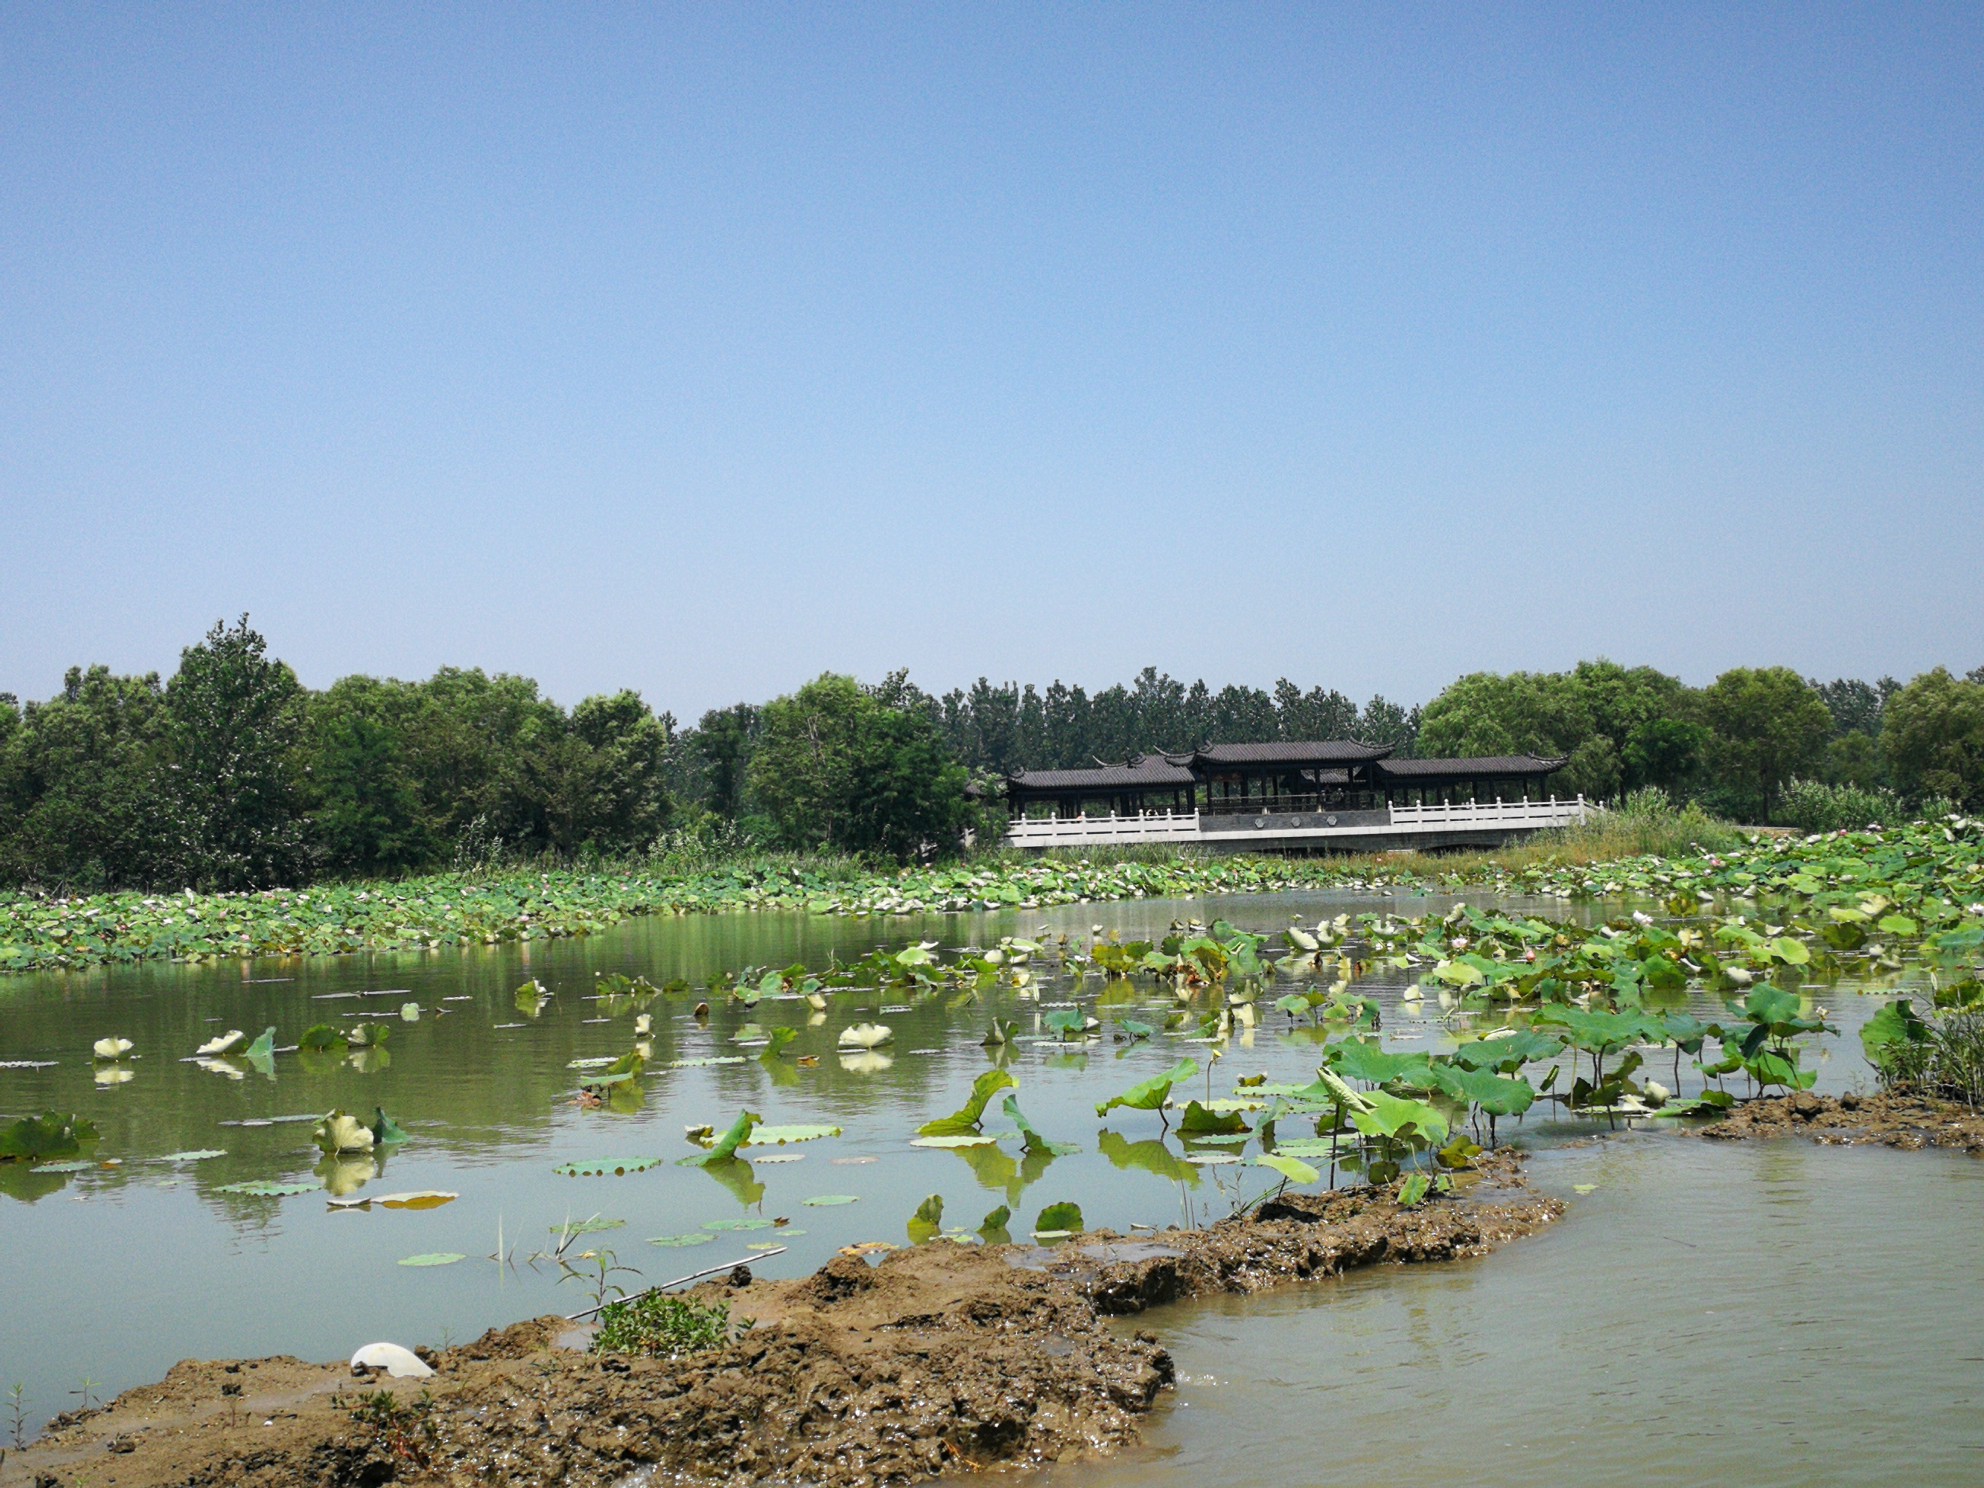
(1471, 823)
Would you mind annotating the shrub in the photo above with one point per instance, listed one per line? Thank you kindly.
(1814, 806)
(662, 1326)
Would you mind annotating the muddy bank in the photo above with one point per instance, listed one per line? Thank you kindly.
(1890, 1119)
(937, 1358)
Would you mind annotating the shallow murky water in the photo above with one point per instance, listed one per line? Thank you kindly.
(119, 1272)
(1760, 1314)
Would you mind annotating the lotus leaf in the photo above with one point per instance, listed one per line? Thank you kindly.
(774, 1136)
(967, 1117)
(602, 1167)
(1290, 1167)
(434, 1258)
(340, 1132)
(262, 1188)
(1059, 1219)
(1151, 1094)
(726, 1147)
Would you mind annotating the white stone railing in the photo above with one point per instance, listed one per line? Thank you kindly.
(1550, 813)
(1147, 826)
(1185, 826)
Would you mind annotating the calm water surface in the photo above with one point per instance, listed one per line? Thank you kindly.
(1765, 1314)
(120, 1272)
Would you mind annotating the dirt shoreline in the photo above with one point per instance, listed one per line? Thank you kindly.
(939, 1358)
(1887, 1118)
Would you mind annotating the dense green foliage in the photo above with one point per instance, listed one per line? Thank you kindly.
(1743, 746)
(231, 775)
(837, 768)
(472, 909)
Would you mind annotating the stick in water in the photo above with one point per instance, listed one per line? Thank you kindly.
(763, 1255)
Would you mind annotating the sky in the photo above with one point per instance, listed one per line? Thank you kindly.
(703, 349)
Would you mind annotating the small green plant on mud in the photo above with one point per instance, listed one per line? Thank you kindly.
(17, 1413)
(596, 1274)
(661, 1326)
(402, 1429)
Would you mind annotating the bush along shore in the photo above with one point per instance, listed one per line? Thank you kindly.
(1933, 871)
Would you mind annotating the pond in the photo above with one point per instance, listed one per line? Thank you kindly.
(126, 1269)
(1773, 1313)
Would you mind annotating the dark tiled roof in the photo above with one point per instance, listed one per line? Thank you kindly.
(1324, 752)
(1111, 778)
(1467, 769)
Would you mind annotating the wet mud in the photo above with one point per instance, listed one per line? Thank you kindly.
(1889, 1119)
(886, 1369)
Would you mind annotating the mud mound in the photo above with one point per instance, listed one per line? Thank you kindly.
(1890, 1119)
(938, 1357)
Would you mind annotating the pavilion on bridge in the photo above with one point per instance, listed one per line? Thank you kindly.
(1237, 779)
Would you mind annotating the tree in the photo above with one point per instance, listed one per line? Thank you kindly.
(836, 767)
(234, 720)
(1934, 738)
(1768, 724)
(83, 784)
(364, 811)
(722, 744)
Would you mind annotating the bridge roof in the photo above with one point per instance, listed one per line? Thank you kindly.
(1485, 768)
(1292, 752)
(1140, 776)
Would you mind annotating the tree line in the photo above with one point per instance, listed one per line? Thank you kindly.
(230, 774)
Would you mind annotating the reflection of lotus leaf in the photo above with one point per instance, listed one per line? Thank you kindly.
(588, 1226)
(601, 1167)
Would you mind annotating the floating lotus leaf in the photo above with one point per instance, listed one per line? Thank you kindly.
(424, 1198)
(705, 1063)
(200, 1154)
(73, 1165)
(698, 1237)
(749, 1222)
(967, 1139)
(825, 1201)
(263, 1188)
(775, 1136)
(605, 1167)
(434, 1258)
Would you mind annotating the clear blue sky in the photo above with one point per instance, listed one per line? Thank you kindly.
(703, 349)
